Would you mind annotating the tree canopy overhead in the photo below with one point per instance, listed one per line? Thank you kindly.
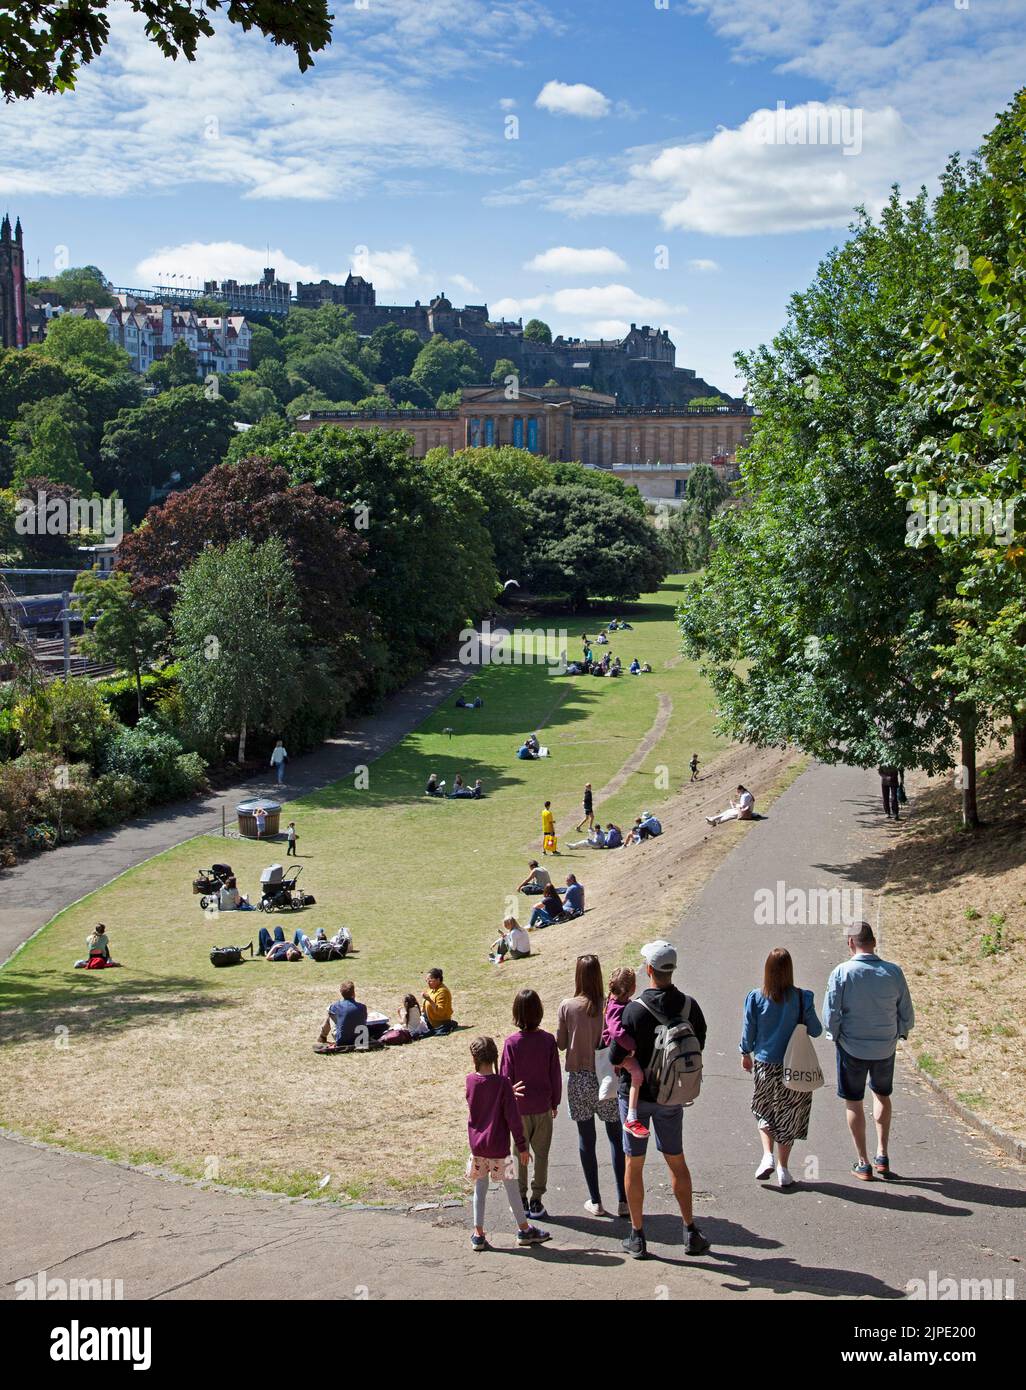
(43, 46)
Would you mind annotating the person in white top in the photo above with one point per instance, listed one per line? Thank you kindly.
(278, 758)
(741, 809)
(513, 942)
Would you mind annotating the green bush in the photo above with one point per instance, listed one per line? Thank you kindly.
(154, 759)
(119, 693)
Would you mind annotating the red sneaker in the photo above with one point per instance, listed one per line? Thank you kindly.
(637, 1129)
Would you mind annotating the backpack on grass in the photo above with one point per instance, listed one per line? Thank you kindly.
(674, 1075)
(228, 955)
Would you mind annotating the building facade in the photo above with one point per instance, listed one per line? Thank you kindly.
(14, 331)
(657, 447)
(147, 332)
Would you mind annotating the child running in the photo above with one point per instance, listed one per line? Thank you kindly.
(493, 1126)
(621, 990)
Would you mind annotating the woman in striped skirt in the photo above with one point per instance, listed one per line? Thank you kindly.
(770, 1016)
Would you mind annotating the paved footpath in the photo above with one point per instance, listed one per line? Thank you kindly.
(956, 1210)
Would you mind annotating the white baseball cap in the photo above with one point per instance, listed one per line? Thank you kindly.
(660, 955)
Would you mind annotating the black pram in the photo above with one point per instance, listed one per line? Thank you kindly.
(278, 889)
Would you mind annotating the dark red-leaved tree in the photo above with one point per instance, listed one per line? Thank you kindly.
(253, 499)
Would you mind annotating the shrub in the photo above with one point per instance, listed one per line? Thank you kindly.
(120, 695)
(154, 759)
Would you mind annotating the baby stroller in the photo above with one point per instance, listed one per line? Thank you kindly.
(278, 889)
(209, 882)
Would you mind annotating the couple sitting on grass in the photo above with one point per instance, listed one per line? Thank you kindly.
(348, 1027)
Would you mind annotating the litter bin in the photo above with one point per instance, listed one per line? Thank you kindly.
(247, 819)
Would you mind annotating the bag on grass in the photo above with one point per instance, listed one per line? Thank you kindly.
(225, 955)
(674, 1075)
(802, 1071)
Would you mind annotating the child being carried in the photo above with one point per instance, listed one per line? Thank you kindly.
(622, 983)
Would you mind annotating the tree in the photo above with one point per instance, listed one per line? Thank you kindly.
(168, 442)
(254, 403)
(569, 474)
(119, 628)
(272, 429)
(585, 544)
(241, 647)
(264, 346)
(327, 371)
(815, 621)
(255, 500)
(179, 367)
(535, 331)
(706, 402)
(42, 46)
(689, 531)
(84, 284)
(392, 351)
(27, 377)
(444, 366)
(74, 341)
(404, 388)
(329, 326)
(53, 457)
(503, 368)
(503, 478)
(272, 374)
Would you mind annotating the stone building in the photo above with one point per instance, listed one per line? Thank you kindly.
(656, 447)
(14, 330)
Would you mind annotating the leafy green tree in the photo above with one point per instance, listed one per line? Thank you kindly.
(327, 371)
(503, 368)
(53, 455)
(179, 367)
(392, 352)
(689, 530)
(503, 478)
(329, 326)
(444, 366)
(404, 388)
(42, 47)
(706, 402)
(68, 718)
(272, 429)
(26, 377)
(535, 331)
(168, 442)
(120, 629)
(74, 341)
(272, 374)
(254, 402)
(307, 401)
(587, 544)
(264, 346)
(85, 284)
(239, 641)
(449, 400)
(568, 474)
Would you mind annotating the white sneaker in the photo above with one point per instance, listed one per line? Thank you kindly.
(765, 1167)
(784, 1178)
(710, 820)
(595, 1209)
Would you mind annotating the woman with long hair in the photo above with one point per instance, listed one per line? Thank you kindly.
(579, 1034)
(771, 1015)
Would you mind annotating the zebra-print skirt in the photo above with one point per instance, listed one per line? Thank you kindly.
(783, 1112)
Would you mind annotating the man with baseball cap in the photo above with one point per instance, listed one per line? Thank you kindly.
(866, 1009)
(659, 1004)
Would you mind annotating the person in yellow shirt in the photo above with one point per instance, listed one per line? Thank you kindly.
(548, 830)
(437, 1002)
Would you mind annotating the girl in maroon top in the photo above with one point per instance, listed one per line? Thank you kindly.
(493, 1128)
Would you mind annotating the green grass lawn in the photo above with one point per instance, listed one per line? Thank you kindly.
(172, 1059)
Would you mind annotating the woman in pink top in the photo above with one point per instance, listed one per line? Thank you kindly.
(579, 1035)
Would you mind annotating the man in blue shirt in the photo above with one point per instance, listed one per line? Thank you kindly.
(866, 1009)
(348, 1018)
(573, 896)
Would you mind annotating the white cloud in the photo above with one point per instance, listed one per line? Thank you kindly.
(573, 99)
(463, 283)
(196, 261)
(508, 103)
(703, 266)
(577, 260)
(590, 309)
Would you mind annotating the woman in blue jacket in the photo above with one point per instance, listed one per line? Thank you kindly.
(770, 1017)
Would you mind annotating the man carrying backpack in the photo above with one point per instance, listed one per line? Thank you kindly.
(668, 1029)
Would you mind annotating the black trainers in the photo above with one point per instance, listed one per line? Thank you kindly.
(695, 1242)
(536, 1209)
(634, 1245)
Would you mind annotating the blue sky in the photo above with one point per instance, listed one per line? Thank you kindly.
(652, 179)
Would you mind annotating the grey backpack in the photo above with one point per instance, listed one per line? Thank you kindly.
(674, 1075)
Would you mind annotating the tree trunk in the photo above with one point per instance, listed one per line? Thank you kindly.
(242, 741)
(138, 692)
(970, 813)
(1019, 744)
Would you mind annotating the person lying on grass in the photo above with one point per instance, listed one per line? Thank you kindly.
(283, 950)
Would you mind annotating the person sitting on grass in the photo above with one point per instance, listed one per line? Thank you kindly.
(602, 639)
(458, 786)
(531, 741)
(409, 1024)
(622, 984)
(596, 839)
(549, 910)
(346, 1016)
(573, 896)
(525, 753)
(513, 944)
(614, 836)
(635, 667)
(646, 827)
(98, 946)
(229, 899)
(437, 1004)
(741, 809)
(434, 787)
(494, 1127)
(478, 790)
(536, 881)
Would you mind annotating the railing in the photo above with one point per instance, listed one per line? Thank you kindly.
(380, 415)
(662, 411)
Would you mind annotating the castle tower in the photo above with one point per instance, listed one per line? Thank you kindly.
(13, 309)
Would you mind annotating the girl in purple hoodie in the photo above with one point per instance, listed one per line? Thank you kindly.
(622, 984)
(494, 1127)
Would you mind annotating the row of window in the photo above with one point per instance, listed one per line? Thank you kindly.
(525, 432)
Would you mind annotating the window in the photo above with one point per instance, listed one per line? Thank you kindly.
(518, 431)
(532, 435)
(475, 433)
(490, 430)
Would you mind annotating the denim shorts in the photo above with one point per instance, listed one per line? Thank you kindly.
(665, 1121)
(853, 1071)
